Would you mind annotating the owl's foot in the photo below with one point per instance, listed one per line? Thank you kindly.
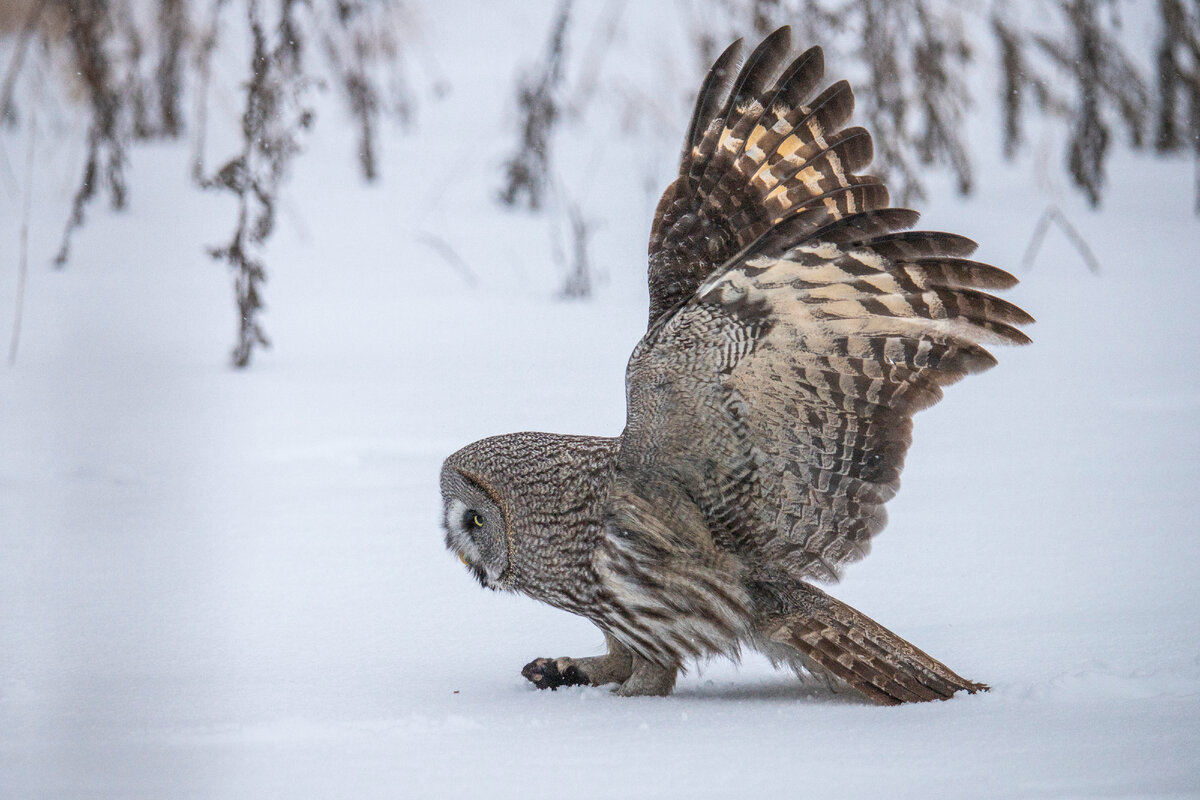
(615, 666)
(551, 673)
(637, 676)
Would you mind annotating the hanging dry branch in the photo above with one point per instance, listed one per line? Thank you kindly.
(172, 29)
(363, 48)
(29, 27)
(1177, 122)
(577, 264)
(1054, 216)
(527, 171)
(89, 29)
(940, 55)
(132, 72)
(23, 253)
(275, 115)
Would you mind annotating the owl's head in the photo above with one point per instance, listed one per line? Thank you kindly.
(474, 519)
(517, 508)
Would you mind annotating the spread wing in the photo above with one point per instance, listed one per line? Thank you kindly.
(757, 152)
(769, 416)
(770, 407)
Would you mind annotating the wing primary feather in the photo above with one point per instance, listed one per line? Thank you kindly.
(956, 273)
(711, 97)
(762, 66)
(804, 220)
(853, 229)
(906, 245)
(820, 166)
(763, 133)
(797, 81)
(857, 228)
(740, 111)
(754, 190)
(827, 112)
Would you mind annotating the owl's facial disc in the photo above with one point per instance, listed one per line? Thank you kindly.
(475, 529)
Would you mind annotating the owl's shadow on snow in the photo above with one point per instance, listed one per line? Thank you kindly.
(752, 679)
(783, 689)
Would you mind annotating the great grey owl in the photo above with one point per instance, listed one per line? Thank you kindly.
(796, 325)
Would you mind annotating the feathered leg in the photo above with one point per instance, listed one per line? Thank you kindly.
(648, 679)
(823, 634)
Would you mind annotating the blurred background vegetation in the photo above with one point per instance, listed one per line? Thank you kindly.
(1113, 73)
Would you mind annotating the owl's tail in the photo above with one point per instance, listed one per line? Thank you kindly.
(824, 635)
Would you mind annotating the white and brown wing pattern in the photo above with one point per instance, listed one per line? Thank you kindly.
(760, 151)
(852, 339)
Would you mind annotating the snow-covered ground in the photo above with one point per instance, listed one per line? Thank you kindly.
(221, 584)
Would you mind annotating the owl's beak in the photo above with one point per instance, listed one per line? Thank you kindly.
(463, 559)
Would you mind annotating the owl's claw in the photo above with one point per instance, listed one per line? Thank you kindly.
(551, 673)
(613, 667)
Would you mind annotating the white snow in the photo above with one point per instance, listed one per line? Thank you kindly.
(233, 585)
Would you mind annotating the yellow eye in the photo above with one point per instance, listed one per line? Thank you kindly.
(477, 520)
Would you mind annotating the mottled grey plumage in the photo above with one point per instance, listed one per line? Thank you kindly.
(794, 330)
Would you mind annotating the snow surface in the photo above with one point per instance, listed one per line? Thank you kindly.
(233, 585)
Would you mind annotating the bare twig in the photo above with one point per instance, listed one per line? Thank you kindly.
(172, 22)
(570, 231)
(579, 277)
(203, 65)
(23, 255)
(1052, 215)
(594, 56)
(18, 58)
(362, 46)
(274, 115)
(132, 73)
(89, 26)
(6, 172)
(527, 171)
(449, 255)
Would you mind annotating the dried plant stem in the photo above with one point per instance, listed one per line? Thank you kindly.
(18, 58)
(23, 253)
(172, 24)
(449, 255)
(272, 120)
(528, 171)
(205, 45)
(138, 74)
(1196, 170)
(90, 28)
(1052, 215)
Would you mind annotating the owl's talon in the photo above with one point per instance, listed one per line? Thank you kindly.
(550, 673)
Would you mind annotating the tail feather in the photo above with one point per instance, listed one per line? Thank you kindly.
(826, 635)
